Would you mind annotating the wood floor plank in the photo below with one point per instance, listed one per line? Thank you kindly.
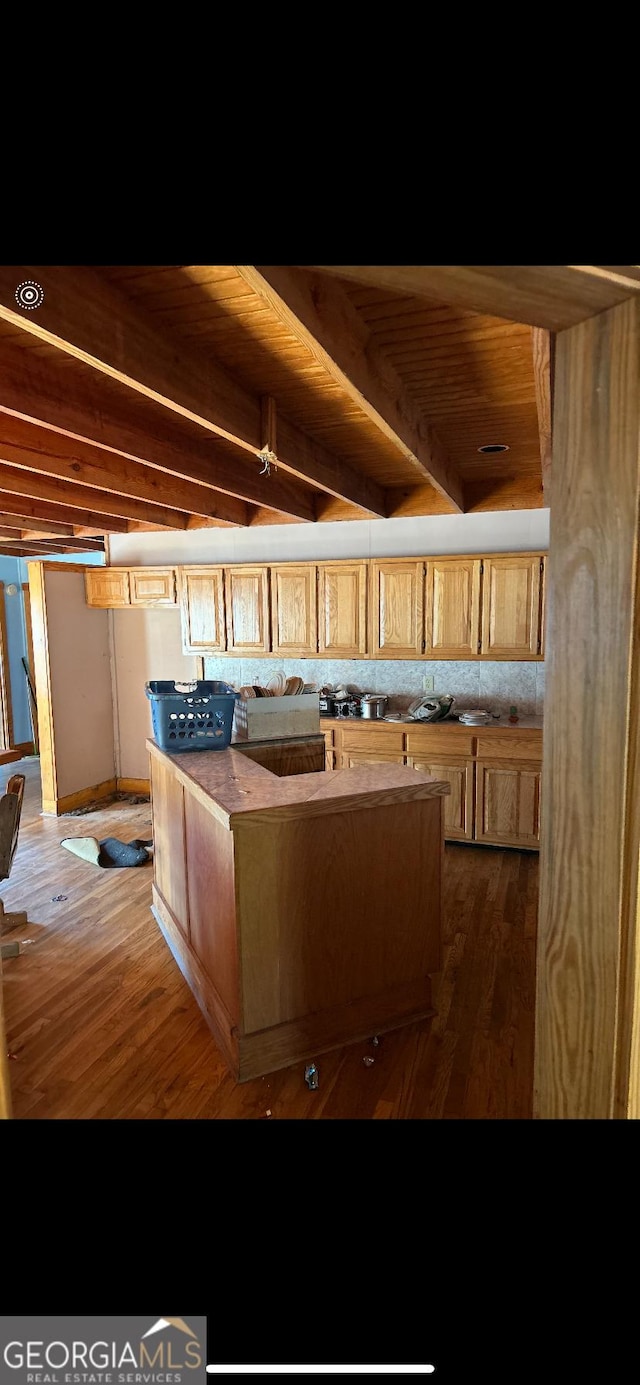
(101, 1024)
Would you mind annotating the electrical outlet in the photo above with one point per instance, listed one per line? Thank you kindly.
(427, 682)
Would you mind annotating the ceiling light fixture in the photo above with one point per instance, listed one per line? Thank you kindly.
(494, 447)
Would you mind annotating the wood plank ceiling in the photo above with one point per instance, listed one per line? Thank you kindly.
(178, 397)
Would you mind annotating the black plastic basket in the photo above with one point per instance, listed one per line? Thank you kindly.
(191, 716)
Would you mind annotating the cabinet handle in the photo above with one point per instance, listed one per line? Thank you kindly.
(479, 646)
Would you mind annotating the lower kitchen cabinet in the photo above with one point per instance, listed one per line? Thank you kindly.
(458, 805)
(507, 803)
(494, 773)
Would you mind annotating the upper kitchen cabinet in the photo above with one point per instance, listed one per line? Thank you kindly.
(247, 609)
(512, 606)
(397, 609)
(107, 587)
(112, 588)
(452, 608)
(342, 609)
(294, 622)
(202, 606)
(152, 586)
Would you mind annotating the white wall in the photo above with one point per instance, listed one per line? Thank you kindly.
(494, 532)
(147, 645)
(80, 672)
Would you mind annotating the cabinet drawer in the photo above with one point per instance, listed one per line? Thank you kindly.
(384, 739)
(351, 758)
(449, 740)
(513, 745)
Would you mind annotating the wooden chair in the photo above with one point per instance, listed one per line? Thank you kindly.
(10, 811)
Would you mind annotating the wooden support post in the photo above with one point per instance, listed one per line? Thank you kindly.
(587, 1052)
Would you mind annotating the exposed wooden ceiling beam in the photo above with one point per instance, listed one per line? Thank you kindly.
(552, 296)
(35, 550)
(319, 313)
(79, 533)
(38, 487)
(22, 522)
(85, 317)
(79, 545)
(35, 448)
(56, 518)
(40, 392)
(543, 344)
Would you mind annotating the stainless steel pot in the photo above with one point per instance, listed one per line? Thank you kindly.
(373, 707)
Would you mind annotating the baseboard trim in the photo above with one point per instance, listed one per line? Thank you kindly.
(95, 793)
(134, 785)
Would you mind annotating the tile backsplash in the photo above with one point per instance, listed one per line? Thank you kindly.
(494, 686)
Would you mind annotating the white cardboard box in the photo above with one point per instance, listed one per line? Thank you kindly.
(269, 718)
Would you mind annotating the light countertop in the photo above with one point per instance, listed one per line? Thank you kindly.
(237, 789)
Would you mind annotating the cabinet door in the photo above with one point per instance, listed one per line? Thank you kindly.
(202, 608)
(511, 615)
(458, 805)
(152, 586)
(107, 587)
(397, 609)
(452, 608)
(342, 609)
(293, 609)
(247, 609)
(508, 803)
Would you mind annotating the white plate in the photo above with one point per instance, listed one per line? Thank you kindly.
(277, 684)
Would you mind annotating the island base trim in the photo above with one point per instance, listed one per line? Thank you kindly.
(302, 1040)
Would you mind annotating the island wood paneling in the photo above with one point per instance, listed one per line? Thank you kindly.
(586, 1061)
(296, 943)
(212, 906)
(167, 797)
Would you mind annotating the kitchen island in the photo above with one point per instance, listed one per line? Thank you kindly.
(304, 910)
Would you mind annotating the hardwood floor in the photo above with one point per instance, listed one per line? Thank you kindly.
(102, 1025)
